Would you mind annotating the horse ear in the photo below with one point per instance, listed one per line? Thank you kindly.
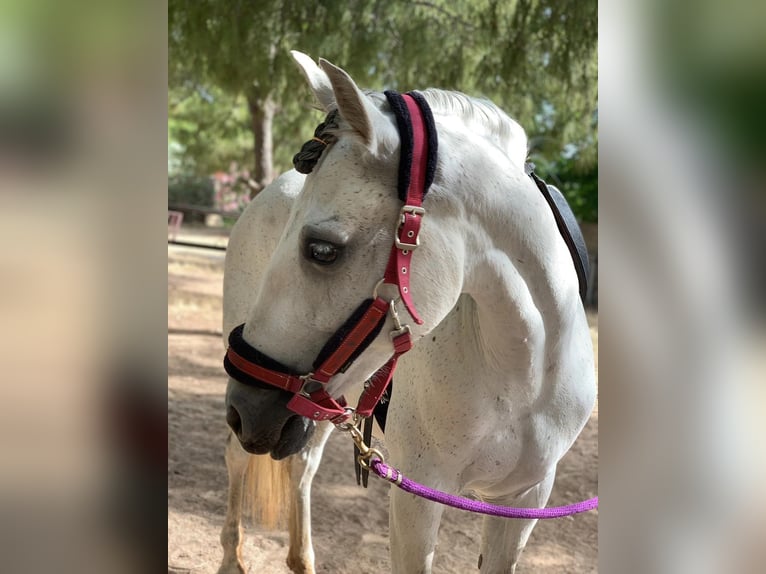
(356, 108)
(318, 80)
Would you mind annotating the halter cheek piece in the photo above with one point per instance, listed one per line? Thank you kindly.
(417, 165)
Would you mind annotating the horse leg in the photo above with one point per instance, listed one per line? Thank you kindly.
(231, 534)
(300, 557)
(503, 539)
(413, 528)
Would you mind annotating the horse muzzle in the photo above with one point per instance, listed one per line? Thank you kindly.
(262, 422)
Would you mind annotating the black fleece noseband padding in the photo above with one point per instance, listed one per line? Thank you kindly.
(333, 342)
(244, 350)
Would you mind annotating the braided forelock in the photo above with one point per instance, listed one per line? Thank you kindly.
(324, 136)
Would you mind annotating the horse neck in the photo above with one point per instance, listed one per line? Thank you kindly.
(517, 268)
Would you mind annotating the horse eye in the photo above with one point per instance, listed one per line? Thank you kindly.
(322, 253)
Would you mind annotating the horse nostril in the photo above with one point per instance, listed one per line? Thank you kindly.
(234, 420)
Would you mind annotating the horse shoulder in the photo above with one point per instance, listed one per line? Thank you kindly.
(569, 388)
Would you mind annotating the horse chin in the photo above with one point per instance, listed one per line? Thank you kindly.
(295, 434)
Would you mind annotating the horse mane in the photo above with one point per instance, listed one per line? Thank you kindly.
(482, 117)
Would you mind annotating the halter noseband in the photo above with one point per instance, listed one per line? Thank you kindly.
(417, 164)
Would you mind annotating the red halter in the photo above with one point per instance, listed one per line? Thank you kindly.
(310, 398)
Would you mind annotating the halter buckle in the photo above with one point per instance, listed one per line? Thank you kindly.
(398, 329)
(414, 210)
(307, 387)
(345, 425)
(396, 332)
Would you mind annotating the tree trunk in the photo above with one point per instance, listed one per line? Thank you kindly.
(261, 117)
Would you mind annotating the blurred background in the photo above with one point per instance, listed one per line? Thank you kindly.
(239, 109)
(87, 90)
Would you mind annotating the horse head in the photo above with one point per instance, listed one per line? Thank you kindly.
(331, 258)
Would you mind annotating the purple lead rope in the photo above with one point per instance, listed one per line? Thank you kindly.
(394, 476)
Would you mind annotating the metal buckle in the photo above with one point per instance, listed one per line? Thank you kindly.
(377, 286)
(398, 329)
(404, 210)
(366, 453)
(307, 379)
(396, 332)
(413, 209)
(345, 426)
(340, 421)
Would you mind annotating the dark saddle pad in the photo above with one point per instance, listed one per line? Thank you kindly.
(568, 227)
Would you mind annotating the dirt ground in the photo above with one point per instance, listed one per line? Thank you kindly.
(350, 525)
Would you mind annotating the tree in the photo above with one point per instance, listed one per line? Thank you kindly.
(243, 48)
(534, 58)
(207, 130)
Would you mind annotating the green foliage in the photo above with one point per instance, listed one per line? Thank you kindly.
(526, 56)
(210, 129)
(192, 190)
(243, 47)
(536, 59)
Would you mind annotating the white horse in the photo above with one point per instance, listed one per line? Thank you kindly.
(501, 378)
